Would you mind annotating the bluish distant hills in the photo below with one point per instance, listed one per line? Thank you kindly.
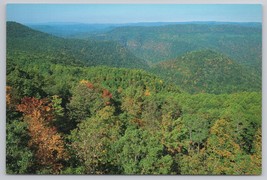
(72, 29)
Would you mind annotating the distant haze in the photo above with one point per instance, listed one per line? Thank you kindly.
(132, 13)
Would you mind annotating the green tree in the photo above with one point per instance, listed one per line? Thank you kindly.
(19, 157)
(256, 157)
(224, 154)
(140, 152)
(92, 141)
(194, 163)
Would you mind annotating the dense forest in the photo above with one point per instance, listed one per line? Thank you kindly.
(102, 104)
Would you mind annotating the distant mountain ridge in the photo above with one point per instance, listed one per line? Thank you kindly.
(74, 29)
(160, 41)
(197, 70)
(70, 51)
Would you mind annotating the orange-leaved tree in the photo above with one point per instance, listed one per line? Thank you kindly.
(47, 143)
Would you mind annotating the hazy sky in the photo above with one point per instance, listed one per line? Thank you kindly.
(127, 13)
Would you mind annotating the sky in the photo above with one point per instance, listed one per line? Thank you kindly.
(132, 13)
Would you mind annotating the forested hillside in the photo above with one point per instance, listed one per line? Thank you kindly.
(241, 42)
(65, 51)
(208, 71)
(92, 107)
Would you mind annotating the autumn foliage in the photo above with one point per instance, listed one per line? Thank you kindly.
(47, 143)
(87, 84)
(106, 95)
(8, 95)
